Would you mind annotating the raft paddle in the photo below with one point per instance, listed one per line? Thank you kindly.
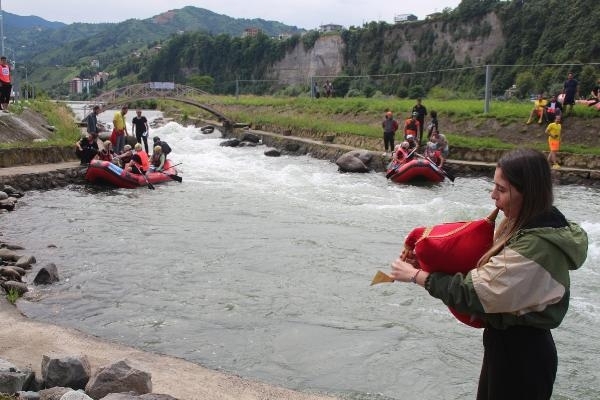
(173, 176)
(435, 166)
(150, 186)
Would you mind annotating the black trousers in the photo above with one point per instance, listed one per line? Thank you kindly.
(388, 140)
(519, 363)
(5, 90)
(140, 137)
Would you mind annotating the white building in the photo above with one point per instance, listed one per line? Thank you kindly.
(401, 18)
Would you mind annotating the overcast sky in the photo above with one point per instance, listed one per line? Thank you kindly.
(303, 14)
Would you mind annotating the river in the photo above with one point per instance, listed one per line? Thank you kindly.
(261, 266)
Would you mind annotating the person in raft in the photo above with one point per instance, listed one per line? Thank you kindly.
(520, 287)
(157, 162)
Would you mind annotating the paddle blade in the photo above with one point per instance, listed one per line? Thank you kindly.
(449, 174)
(151, 186)
(381, 277)
(175, 177)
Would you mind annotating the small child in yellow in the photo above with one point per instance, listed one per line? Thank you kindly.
(554, 131)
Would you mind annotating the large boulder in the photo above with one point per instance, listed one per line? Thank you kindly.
(355, 161)
(7, 254)
(70, 371)
(118, 377)
(12, 379)
(25, 261)
(46, 275)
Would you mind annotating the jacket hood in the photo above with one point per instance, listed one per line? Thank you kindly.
(563, 236)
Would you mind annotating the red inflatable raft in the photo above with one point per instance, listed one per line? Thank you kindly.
(415, 170)
(109, 173)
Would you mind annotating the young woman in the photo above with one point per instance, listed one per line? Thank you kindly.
(520, 287)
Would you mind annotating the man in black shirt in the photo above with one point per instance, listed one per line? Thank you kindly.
(140, 128)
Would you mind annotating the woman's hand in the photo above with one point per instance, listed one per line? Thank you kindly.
(402, 271)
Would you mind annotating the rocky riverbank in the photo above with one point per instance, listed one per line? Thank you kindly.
(44, 361)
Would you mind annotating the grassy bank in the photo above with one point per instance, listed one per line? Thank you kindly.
(58, 115)
(362, 116)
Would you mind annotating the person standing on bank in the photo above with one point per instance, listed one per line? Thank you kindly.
(120, 129)
(554, 130)
(571, 91)
(139, 126)
(520, 287)
(5, 84)
(433, 124)
(421, 113)
(92, 122)
(390, 126)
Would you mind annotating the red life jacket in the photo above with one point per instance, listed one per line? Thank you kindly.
(5, 73)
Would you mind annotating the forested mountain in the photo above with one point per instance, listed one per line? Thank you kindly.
(531, 43)
(42, 42)
(204, 49)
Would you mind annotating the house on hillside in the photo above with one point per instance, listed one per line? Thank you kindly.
(284, 36)
(78, 85)
(402, 18)
(330, 28)
(434, 15)
(251, 32)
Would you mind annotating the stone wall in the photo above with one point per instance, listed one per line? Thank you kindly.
(45, 180)
(36, 155)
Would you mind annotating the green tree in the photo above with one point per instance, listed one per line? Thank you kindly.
(526, 84)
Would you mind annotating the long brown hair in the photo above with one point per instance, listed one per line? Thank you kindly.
(528, 171)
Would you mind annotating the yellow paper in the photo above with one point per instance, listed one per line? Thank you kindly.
(381, 277)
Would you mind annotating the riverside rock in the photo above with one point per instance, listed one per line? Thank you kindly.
(69, 371)
(12, 379)
(118, 377)
(46, 275)
(355, 161)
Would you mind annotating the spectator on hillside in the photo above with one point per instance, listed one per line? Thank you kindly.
(328, 89)
(571, 91)
(316, 93)
(553, 109)
(5, 84)
(539, 105)
(594, 95)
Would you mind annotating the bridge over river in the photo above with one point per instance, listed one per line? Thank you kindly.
(159, 90)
